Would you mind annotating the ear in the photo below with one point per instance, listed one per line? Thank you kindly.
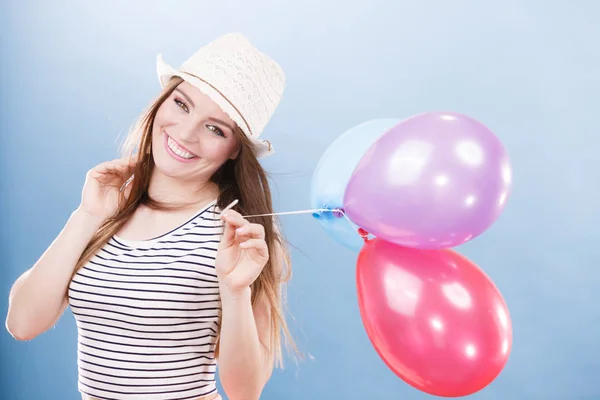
(238, 147)
(236, 152)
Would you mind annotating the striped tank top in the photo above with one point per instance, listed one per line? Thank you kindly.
(147, 314)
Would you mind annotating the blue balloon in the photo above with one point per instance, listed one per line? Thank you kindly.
(331, 176)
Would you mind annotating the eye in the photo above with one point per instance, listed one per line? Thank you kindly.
(182, 105)
(216, 130)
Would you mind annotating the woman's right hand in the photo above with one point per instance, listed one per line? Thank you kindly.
(100, 194)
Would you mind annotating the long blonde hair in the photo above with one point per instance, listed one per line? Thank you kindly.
(243, 179)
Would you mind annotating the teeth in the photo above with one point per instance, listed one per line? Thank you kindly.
(178, 150)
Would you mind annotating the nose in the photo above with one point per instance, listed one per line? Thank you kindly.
(188, 133)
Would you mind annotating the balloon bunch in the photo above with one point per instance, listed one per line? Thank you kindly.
(403, 193)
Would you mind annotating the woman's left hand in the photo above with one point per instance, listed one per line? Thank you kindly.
(242, 253)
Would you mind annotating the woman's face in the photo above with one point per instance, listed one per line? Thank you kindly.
(191, 136)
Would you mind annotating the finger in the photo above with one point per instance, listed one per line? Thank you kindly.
(108, 171)
(256, 244)
(228, 238)
(122, 166)
(126, 188)
(113, 178)
(127, 184)
(117, 163)
(228, 207)
(234, 218)
(250, 231)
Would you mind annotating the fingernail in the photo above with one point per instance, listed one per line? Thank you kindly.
(240, 229)
(233, 203)
(244, 244)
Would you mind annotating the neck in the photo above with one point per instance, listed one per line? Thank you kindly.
(180, 192)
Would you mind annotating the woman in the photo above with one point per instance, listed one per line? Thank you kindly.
(161, 285)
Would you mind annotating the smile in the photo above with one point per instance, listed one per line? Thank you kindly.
(176, 150)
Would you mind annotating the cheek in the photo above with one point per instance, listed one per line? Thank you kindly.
(157, 137)
(166, 115)
(215, 147)
(165, 118)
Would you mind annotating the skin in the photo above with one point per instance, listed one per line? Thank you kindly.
(199, 126)
(37, 299)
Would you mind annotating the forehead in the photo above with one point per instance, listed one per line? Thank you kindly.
(202, 102)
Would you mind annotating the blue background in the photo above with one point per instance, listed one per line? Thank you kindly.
(75, 74)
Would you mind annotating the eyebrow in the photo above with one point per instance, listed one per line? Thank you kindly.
(217, 120)
(186, 97)
(221, 122)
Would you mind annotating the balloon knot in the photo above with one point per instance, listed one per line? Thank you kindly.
(338, 212)
(364, 234)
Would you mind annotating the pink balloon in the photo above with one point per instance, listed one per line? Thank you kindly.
(435, 180)
(434, 317)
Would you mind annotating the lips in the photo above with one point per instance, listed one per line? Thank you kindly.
(177, 151)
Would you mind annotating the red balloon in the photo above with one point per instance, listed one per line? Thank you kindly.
(434, 317)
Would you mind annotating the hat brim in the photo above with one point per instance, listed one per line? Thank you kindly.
(165, 72)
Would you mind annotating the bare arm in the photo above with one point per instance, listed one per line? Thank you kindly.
(245, 356)
(245, 363)
(38, 297)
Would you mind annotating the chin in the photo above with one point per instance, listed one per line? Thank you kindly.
(170, 167)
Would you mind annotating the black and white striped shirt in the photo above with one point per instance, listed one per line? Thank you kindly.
(147, 314)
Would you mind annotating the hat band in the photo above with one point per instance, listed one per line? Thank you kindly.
(225, 97)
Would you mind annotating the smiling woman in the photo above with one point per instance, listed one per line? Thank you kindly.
(192, 129)
(161, 285)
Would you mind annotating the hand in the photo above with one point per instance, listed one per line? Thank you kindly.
(242, 253)
(100, 194)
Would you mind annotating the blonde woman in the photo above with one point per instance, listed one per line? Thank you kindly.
(162, 286)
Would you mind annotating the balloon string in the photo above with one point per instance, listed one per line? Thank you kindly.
(297, 212)
(337, 212)
(352, 224)
(362, 233)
